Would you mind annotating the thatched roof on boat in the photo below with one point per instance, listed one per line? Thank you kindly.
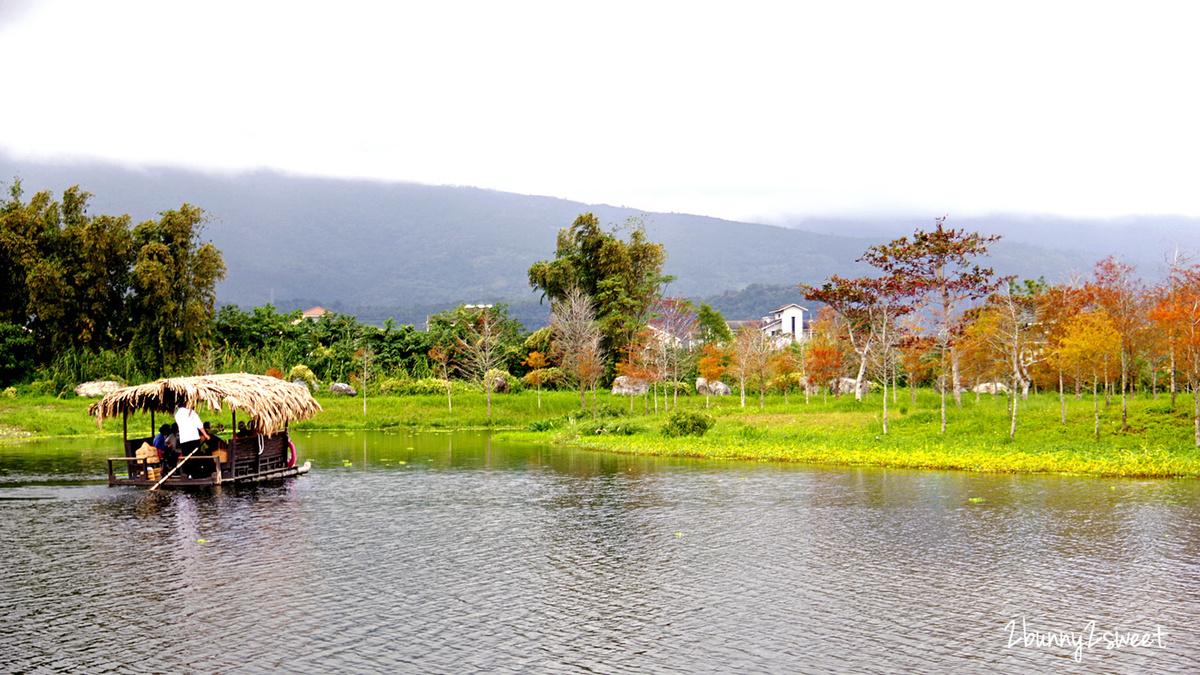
(271, 401)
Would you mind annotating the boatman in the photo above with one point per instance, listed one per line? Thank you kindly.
(191, 429)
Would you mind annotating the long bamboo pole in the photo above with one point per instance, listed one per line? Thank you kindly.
(175, 468)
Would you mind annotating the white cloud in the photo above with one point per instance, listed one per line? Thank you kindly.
(755, 110)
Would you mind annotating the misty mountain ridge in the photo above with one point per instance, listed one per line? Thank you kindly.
(370, 246)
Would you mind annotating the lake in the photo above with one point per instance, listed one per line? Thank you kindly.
(454, 552)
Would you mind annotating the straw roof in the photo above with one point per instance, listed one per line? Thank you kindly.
(271, 401)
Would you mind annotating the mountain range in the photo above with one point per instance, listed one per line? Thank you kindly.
(379, 249)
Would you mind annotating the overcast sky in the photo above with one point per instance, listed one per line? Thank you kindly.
(749, 110)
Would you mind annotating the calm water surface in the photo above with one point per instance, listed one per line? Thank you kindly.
(450, 553)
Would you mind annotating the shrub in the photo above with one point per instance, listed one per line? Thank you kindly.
(687, 423)
(546, 424)
(604, 410)
(609, 426)
(303, 372)
(426, 386)
(511, 385)
(553, 379)
(789, 382)
(16, 353)
(685, 388)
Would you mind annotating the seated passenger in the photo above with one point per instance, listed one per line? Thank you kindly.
(214, 442)
(171, 455)
(160, 440)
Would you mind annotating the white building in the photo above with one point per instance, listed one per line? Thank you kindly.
(787, 324)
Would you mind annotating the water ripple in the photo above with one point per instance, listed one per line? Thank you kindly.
(512, 560)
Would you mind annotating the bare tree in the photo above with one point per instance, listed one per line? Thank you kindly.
(483, 353)
(676, 324)
(442, 357)
(577, 341)
(751, 360)
(366, 359)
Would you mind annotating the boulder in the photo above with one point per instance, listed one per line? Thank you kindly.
(807, 387)
(342, 389)
(500, 384)
(96, 388)
(714, 388)
(303, 383)
(990, 388)
(629, 386)
(845, 385)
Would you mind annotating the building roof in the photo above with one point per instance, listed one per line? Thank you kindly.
(790, 304)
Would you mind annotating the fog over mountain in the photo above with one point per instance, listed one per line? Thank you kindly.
(366, 246)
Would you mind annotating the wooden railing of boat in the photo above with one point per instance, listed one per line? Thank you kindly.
(244, 459)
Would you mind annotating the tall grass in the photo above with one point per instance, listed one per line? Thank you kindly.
(73, 366)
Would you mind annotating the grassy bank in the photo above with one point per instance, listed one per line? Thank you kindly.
(1158, 441)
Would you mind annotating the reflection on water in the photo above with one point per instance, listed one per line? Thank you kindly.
(454, 553)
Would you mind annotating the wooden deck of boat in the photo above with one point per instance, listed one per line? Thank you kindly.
(245, 459)
(185, 482)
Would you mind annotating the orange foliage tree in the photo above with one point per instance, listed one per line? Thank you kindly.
(714, 361)
(1122, 296)
(914, 358)
(1177, 314)
(536, 361)
(1090, 344)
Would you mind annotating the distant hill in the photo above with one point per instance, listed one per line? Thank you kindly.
(405, 249)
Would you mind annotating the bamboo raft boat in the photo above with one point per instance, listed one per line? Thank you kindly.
(266, 454)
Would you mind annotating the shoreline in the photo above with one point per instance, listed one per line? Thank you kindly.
(1157, 444)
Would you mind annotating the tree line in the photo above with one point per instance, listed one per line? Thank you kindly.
(94, 297)
(77, 287)
(933, 314)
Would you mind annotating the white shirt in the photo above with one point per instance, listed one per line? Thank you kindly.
(189, 424)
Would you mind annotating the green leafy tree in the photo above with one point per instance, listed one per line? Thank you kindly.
(16, 353)
(400, 349)
(174, 280)
(713, 329)
(24, 229)
(622, 278)
(66, 273)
